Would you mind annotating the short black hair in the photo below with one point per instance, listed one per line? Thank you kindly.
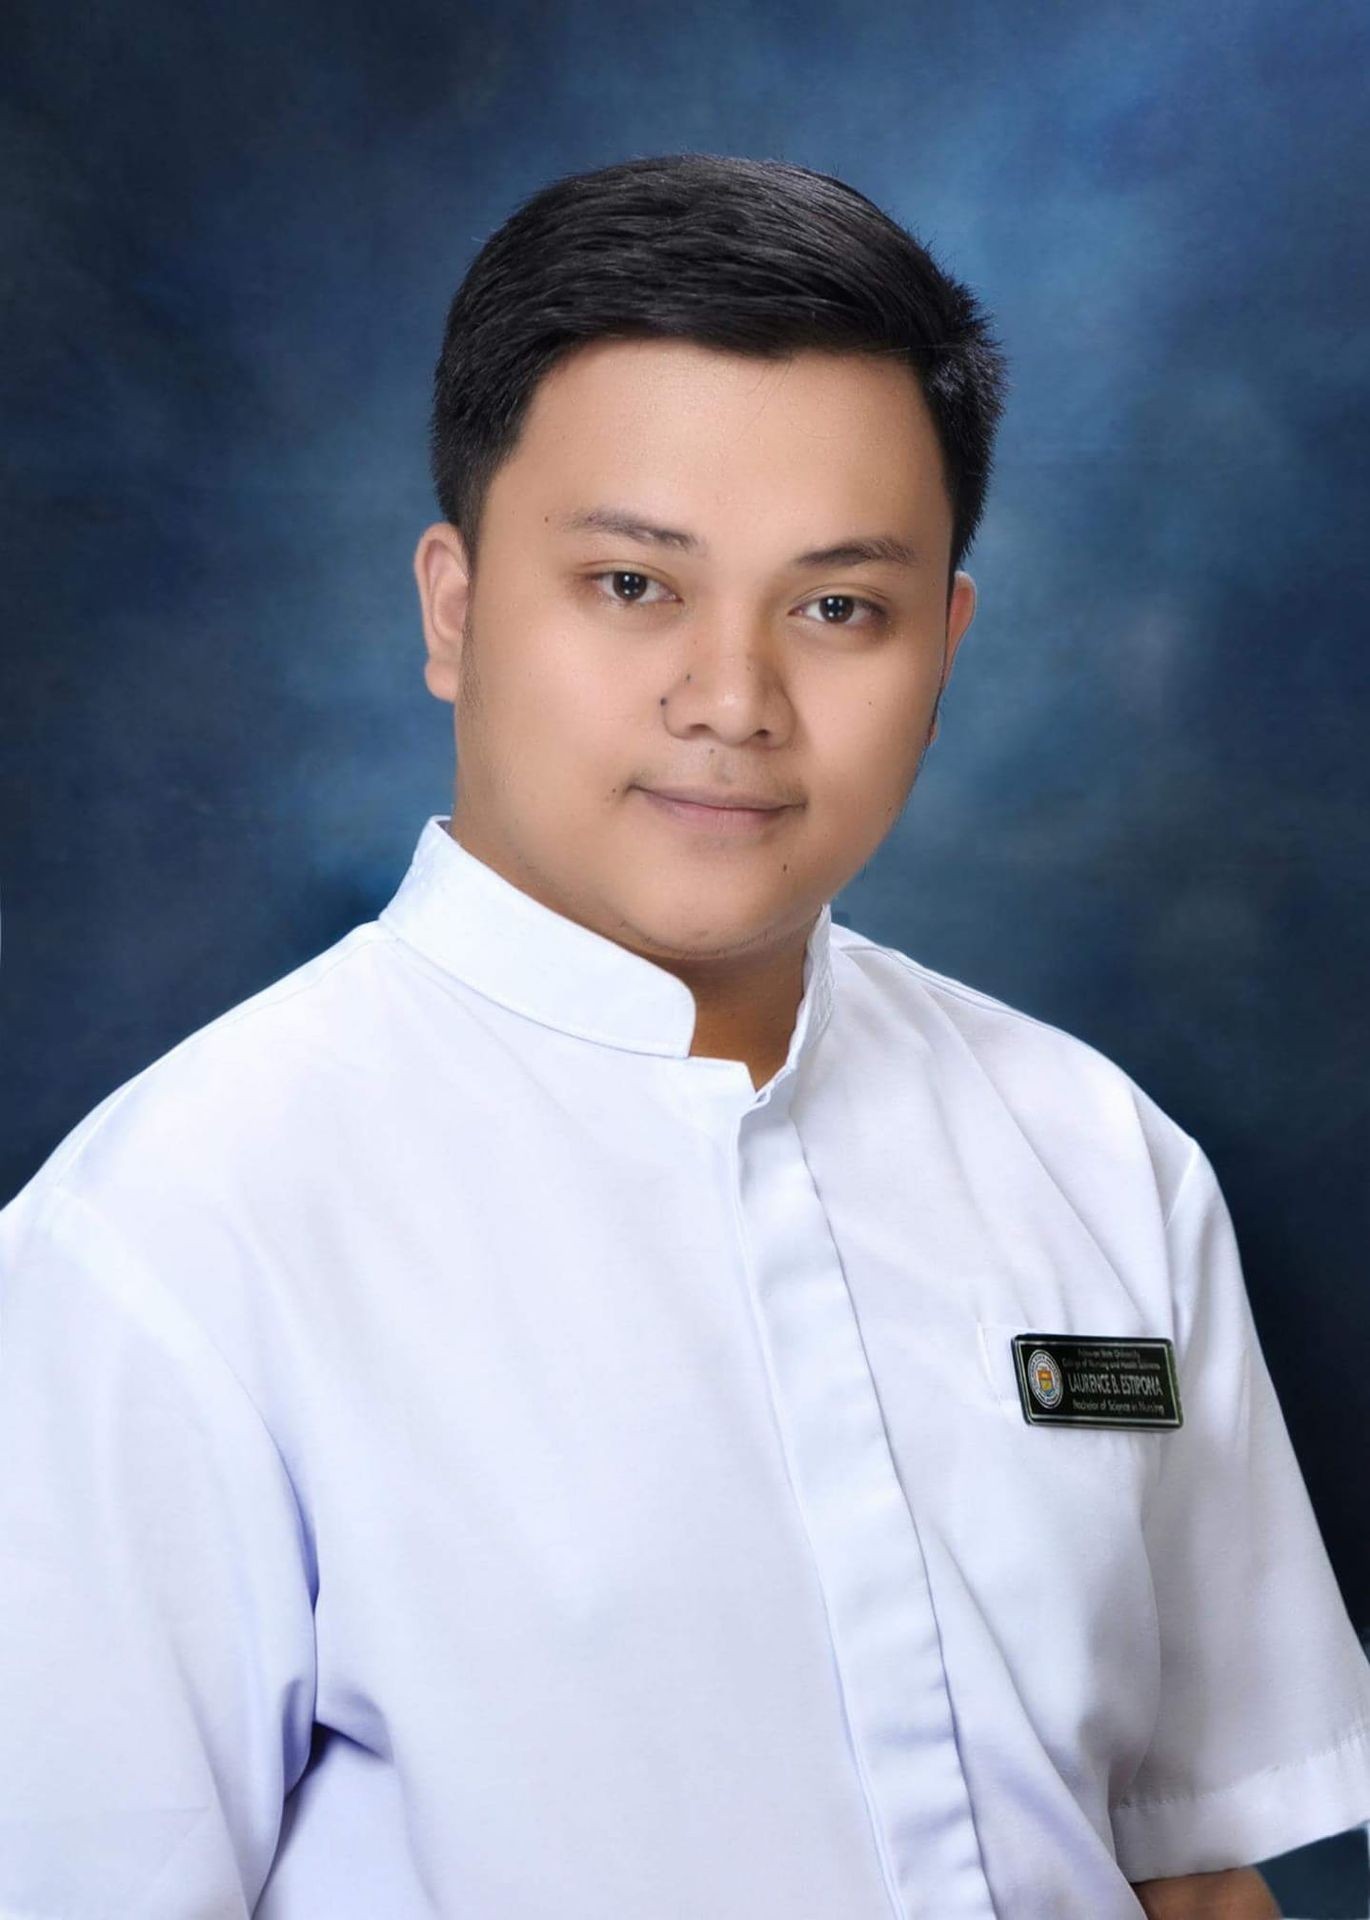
(753, 256)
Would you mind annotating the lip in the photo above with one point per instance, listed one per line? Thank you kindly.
(713, 818)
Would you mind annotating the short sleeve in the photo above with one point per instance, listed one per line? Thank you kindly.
(1262, 1737)
(157, 1667)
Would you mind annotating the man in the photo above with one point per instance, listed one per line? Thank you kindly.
(608, 1393)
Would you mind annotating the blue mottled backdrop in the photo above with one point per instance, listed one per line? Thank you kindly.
(231, 236)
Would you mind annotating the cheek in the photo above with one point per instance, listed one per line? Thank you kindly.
(549, 684)
(877, 724)
(566, 727)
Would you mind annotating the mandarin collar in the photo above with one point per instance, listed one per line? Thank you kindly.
(469, 920)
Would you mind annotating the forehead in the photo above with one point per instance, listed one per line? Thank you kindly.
(683, 429)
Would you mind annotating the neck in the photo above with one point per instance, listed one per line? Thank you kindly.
(748, 1016)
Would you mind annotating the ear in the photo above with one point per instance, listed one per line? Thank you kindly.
(960, 613)
(443, 576)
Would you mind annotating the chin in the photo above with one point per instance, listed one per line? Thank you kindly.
(696, 912)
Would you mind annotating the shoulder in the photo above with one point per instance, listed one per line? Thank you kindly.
(234, 1096)
(1076, 1104)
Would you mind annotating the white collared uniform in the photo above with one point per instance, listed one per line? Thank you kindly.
(461, 1455)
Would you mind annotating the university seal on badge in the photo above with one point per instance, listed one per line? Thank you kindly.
(1044, 1377)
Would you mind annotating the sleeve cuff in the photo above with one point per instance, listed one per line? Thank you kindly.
(1252, 1819)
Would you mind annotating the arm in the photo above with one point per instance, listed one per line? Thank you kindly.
(1261, 1741)
(1237, 1893)
(157, 1667)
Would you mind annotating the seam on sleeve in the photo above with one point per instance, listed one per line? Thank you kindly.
(1195, 1154)
(127, 1253)
(1359, 1730)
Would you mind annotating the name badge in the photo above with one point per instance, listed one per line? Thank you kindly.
(1072, 1380)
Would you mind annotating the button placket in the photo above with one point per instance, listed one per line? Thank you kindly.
(864, 1539)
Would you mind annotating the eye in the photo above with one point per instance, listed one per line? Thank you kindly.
(637, 582)
(628, 588)
(833, 603)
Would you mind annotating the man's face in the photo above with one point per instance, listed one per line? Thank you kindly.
(609, 663)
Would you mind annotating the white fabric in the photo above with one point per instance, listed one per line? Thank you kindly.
(462, 1455)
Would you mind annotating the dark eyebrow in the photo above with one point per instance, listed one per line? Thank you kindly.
(847, 553)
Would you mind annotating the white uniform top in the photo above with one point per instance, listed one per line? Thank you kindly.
(462, 1455)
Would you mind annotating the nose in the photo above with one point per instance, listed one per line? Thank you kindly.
(728, 680)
